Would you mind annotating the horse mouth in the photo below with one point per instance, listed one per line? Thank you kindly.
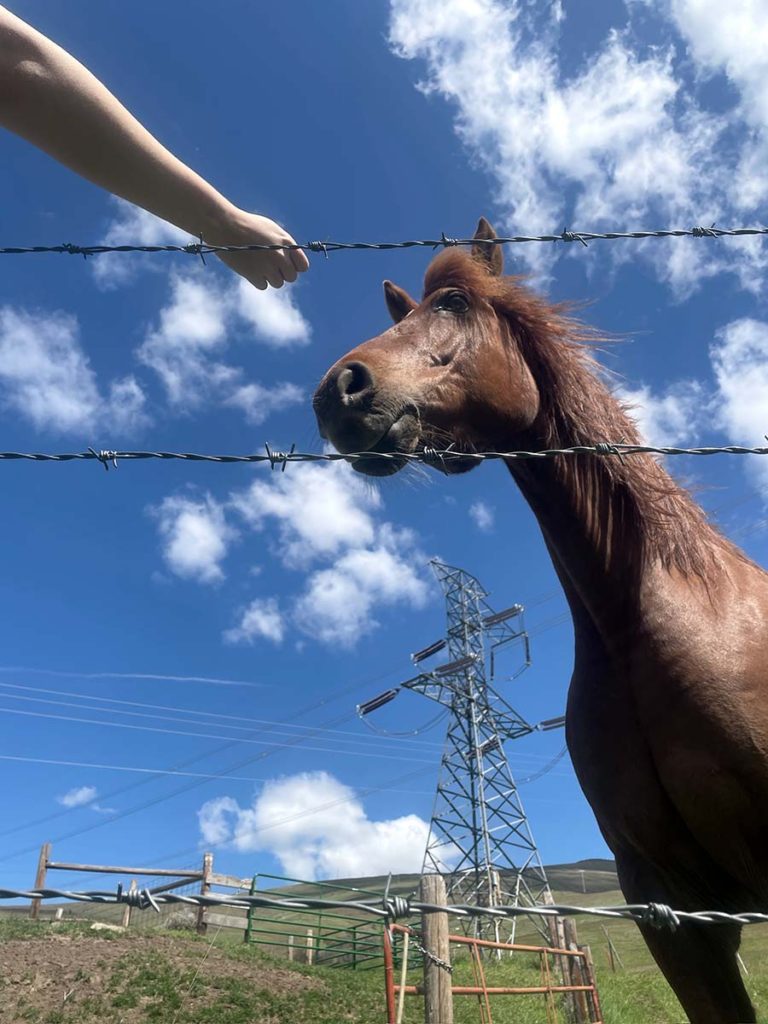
(387, 455)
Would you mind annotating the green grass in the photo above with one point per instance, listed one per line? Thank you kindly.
(168, 982)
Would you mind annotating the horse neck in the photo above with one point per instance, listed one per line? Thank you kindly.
(610, 525)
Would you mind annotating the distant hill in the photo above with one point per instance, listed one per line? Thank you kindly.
(594, 874)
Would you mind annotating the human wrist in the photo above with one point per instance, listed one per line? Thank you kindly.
(222, 223)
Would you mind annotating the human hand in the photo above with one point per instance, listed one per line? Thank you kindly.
(273, 267)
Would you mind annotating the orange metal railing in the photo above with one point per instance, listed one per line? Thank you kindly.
(585, 992)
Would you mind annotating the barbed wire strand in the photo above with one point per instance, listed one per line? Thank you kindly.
(201, 248)
(657, 915)
(430, 456)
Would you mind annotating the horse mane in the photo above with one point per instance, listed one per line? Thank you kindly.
(632, 506)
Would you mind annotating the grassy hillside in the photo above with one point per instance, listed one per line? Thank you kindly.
(65, 973)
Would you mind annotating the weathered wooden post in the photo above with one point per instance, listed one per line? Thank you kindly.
(578, 973)
(310, 947)
(128, 908)
(563, 964)
(290, 947)
(438, 998)
(205, 888)
(42, 867)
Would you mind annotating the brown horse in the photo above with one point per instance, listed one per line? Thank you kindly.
(667, 718)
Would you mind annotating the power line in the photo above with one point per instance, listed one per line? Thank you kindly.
(196, 782)
(355, 737)
(160, 771)
(297, 740)
(307, 709)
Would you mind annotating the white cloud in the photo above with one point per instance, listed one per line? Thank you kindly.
(273, 315)
(262, 618)
(77, 797)
(338, 602)
(620, 142)
(188, 344)
(326, 526)
(196, 537)
(317, 828)
(258, 402)
(46, 377)
(482, 515)
(133, 226)
(673, 417)
(182, 348)
(320, 510)
(740, 364)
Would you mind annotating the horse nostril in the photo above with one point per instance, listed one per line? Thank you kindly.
(353, 380)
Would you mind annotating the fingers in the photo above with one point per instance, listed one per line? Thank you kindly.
(286, 266)
(272, 268)
(298, 260)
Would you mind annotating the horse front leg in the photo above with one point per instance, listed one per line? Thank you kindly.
(698, 960)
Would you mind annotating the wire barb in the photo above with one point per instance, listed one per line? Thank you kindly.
(105, 457)
(279, 458)
(74, 250)
(318, 247)
(141, 899)
(660, 916)
(572, 236)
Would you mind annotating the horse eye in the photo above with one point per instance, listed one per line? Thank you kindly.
(453, 302)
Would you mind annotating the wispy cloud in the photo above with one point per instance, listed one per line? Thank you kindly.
(77, 797)
(482, 515)
(131, 225)
(188, 344)
(47, 379)
(623, 140)
(210, 680)
(262, 619)
(673, 417)
(195, 535)
(258, 402)
(316, 827)
(83, 796)
(354, 564)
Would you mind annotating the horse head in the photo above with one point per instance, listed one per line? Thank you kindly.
(449, 373)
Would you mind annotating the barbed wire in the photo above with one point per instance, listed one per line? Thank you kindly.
(202, 248)
(429, 456)
(393, 908)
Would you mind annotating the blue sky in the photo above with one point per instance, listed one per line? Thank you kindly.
(221, 622)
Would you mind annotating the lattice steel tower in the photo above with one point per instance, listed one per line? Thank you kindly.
(479, 836)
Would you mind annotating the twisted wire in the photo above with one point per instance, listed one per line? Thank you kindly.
(657, 915)
(202, 248)
(429, 456)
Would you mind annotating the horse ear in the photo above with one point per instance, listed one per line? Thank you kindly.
(399, 302)
(490, 255)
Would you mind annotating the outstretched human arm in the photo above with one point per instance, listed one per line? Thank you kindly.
(50, 99)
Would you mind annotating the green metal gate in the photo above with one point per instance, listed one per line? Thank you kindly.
(333, 938)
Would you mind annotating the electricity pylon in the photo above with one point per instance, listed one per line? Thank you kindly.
(479, 836)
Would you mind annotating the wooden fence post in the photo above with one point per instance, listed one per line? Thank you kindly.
(578, 973)
(563, 965)
(290, 947)
(438, 998)
(310, 947)
(205, 888)
(128, 908)
(42, 867)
